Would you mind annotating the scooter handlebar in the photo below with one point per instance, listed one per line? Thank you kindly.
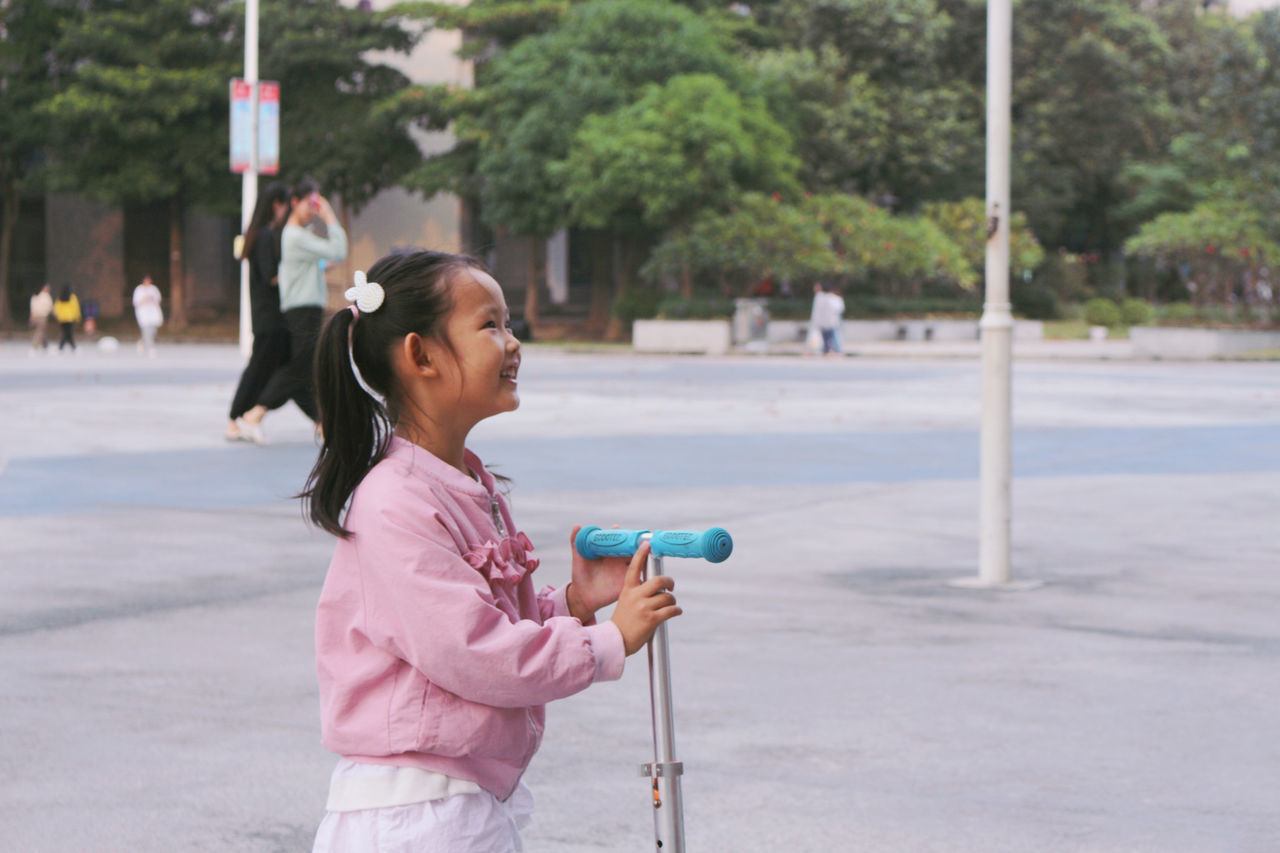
(713, 544)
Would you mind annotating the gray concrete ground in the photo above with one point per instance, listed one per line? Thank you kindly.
(833, 690)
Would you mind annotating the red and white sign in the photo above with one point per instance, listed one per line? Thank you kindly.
(242, 127)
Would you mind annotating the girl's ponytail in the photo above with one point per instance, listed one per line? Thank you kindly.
(355, 383)
(355, 426)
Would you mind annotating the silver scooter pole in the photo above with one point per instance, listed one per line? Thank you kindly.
(714, 545)
(668, 805)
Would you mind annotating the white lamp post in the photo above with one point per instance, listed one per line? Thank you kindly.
(997, 315)
(249, 180)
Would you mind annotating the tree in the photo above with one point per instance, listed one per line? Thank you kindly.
(539, 93)
(687, 145)
(896, 254)
(759, 237)
(29, 75)
(965, 224)
(335, 125)
(1088, 99)
(145, 115)
(1214, 244)
(866, 91)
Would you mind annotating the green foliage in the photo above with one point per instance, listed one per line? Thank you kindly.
(1034, 301)
(685, 145)
(760, 237)
(636, 304)
(694, 308)
(870, 242)
(965, 223)
(839, 238)
(1100, 102)
(144, 116)
(337, 125)
(1216, 241)
(597, 60)
(29, 74)
(1102, 312)
(1136, 312)
(864, 87)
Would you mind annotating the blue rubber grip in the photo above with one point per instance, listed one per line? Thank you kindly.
(594, 542)
(713, 544)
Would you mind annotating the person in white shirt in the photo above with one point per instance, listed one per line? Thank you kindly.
(146, 309)
(41, 308)
(826, 317)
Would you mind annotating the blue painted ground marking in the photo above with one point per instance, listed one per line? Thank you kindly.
(240, 476)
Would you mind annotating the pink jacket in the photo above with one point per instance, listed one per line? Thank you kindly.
(432, 648)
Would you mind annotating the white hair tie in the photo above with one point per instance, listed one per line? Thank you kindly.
(367, 295)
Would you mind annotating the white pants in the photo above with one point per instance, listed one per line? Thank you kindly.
(462, 823)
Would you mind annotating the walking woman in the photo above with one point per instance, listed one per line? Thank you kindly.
(303, 294)
(270, 337)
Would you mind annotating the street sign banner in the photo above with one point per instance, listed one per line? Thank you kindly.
(268, 127)
(242, 126)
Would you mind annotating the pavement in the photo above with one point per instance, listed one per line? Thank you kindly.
(835, 689)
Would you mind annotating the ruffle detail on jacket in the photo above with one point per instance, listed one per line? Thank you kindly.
(508, 560)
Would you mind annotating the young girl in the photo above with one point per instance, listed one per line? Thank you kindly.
(435, 654)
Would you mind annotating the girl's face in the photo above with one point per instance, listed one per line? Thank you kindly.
(486, 356)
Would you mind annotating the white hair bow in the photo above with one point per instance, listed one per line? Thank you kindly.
(367, 295)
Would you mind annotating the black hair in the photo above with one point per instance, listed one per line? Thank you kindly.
(66, 293)
(357, 428)
(263, 213)
(304, 188)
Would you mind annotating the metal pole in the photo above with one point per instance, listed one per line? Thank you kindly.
(997, 316)
(249, 181)
(668, 806)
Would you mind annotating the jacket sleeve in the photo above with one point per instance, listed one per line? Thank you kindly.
(305, 245)
(425, 604)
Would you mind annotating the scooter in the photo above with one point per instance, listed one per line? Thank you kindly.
(714, 545)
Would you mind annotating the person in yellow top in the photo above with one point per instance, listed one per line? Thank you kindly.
(66, 310)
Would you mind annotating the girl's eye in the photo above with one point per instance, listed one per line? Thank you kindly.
(491, 325)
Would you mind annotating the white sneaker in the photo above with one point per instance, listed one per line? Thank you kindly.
(251, 432)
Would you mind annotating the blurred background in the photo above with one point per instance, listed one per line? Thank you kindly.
(621, 159)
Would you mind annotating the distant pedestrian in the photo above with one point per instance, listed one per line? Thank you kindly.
(147, 311)
(67, 312)
(270, 337)
(436, 654)
(303, 294)
(826, 316)
(41, 308)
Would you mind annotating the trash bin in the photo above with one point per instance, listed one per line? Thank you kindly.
(750, 322)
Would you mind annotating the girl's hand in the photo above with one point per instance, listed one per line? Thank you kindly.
(642, 607)
(596, 583)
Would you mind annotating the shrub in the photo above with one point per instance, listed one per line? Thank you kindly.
(696, 308)
(638, 303)
(1177, 314)
(1136, 312)
(1034, 302)
(1102, 312)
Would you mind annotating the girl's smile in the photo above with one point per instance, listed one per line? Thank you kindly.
(487, 353)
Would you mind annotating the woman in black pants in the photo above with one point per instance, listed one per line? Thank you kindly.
(270, 337)
(303, 294)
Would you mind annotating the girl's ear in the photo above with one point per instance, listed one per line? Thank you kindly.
(415, 356)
